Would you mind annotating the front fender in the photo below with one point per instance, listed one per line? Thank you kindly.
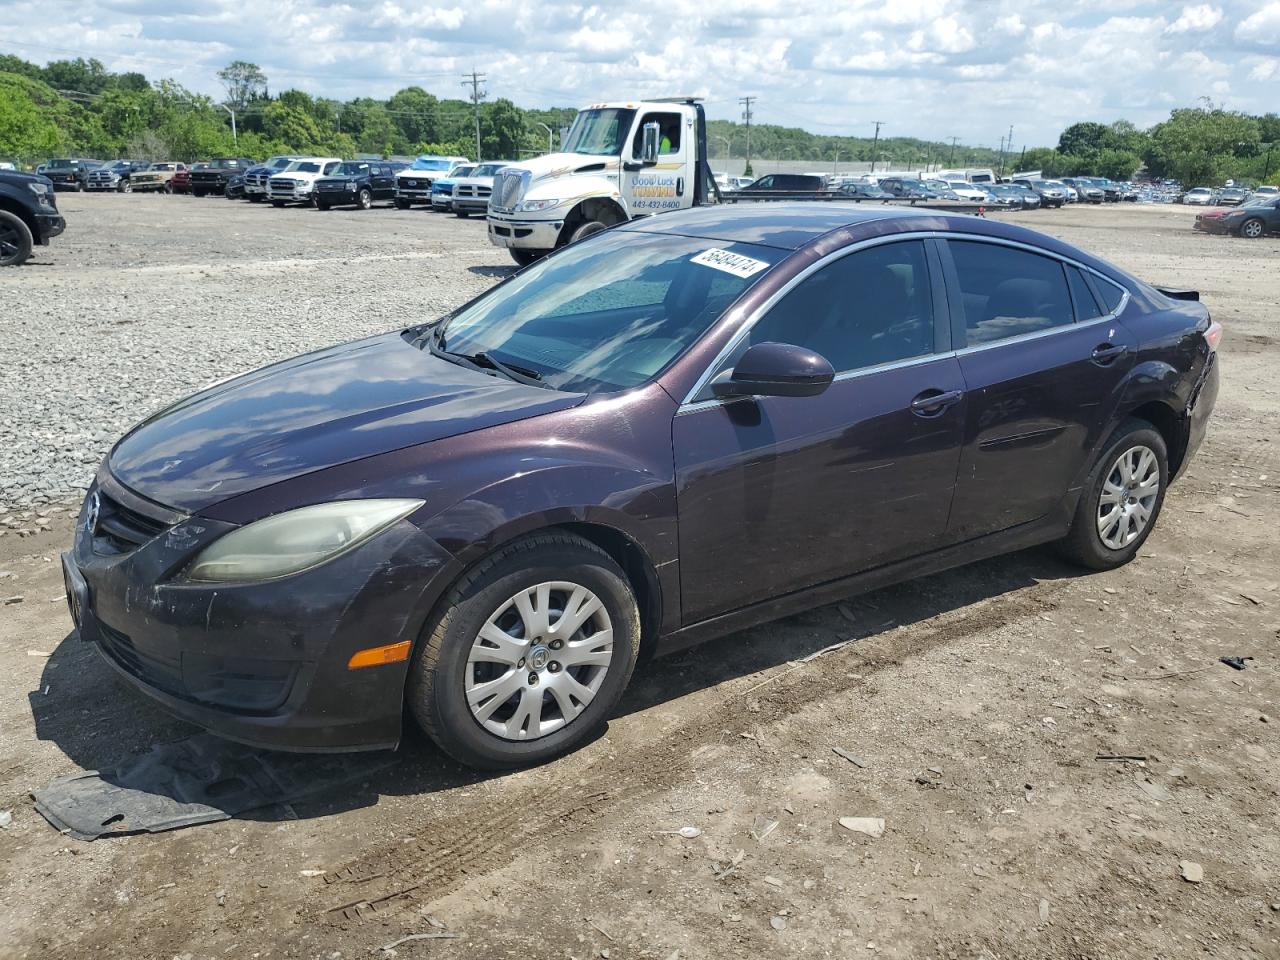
(576, 190)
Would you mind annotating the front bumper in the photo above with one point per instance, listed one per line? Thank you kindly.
(260, 663)
(441, 201)
(299, 194)
(1213, 225)
(507, 231)
(471, 204)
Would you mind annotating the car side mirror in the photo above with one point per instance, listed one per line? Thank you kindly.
(775, 370)
(649, 147)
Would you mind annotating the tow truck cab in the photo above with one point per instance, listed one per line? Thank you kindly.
(617, 162)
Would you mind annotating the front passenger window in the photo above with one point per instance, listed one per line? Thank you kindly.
(869, 308)
(1008, 292)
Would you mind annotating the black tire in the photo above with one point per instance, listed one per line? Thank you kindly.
(526, 257)
(167, 188)
(462, 214)
(255, 197)
(364, 199)
(402, 204)
(277, 203)
(321, 206)
(1084, 544)
(1253, 229)
(197, 193)
(80, 187)
(16, 242)
(595, 226)
(436, 691)
(125, 186)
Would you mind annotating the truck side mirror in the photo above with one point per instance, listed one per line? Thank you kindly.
(649, 148)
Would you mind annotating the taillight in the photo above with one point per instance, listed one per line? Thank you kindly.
(1213, 335)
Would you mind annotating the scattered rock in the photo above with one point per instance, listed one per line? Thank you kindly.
(1153, 790)
(1044, 911)
(690, 833)
(6, 819)
(778, 923)
(1192, 872)
(871, 826)
(856, 761)
(15, 599)
(762, 827)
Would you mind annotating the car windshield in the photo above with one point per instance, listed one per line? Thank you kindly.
(225, 164)
(599, 133)
(162, 166)
(609, 314)
(484, 170)
(429, 163)
(351, 169)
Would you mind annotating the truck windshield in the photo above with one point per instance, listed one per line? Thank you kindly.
(599, 133)
(62, 164)
(607, 314)
(304, 166)
(351, 170)
(429, 163)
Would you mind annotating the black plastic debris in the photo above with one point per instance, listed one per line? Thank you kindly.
(198, 780)
(1235, 663)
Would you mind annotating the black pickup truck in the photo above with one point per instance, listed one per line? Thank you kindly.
(28, 215)
(358, 183)
(213, 177)
(68, 174)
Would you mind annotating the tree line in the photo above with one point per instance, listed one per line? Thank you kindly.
(78, 107)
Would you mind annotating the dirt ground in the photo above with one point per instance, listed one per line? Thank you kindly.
(977, 704)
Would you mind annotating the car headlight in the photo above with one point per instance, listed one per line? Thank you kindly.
(297, 540)
(529, 206)
(350, 185)
(43, 189)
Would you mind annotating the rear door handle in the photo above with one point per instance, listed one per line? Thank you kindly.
(1105, 353)
(932, 402)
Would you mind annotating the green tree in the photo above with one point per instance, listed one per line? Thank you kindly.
(243, 82)
(1202, 145)
(413, 111)
(1085, 139)
(83, 76)
(502, 130)
(29, 120)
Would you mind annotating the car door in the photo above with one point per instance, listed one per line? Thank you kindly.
(663, 185)
(1042, 355)
(380, 183)
(777, 494)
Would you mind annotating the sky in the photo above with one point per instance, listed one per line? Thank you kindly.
(926, 68)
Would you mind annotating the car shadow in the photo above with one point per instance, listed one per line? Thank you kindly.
(496, 273)
(100, 723)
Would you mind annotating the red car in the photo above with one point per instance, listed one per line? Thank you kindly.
(1211, 221)
(181, 182)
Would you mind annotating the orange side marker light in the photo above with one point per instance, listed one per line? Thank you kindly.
(376, 656)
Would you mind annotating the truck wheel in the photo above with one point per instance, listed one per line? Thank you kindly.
(402, 204)
(197, 193)
(277, 203)
(125, 186)
(464, 214)
(364, 199)
(167, 188)
(256, 198)
(587, 229)
(15, 240)
(526, 257)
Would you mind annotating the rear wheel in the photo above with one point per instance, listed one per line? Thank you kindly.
(197, 193)
(16, 241)
(1253, 228)
(364, 199)
(464, 214)
(527, 655)
(321, 206)
(256, 198)
(1121, 499)
(277, 203)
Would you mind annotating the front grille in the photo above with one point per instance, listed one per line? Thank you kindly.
(474, 191)
(121, 530)
(203, 177)
(508, 189)
(278, 184)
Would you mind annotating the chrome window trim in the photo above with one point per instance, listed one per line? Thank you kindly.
(689, 403)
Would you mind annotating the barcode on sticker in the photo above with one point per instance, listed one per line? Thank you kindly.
(734, 263)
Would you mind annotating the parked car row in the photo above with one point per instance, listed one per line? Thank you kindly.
(1255, 218)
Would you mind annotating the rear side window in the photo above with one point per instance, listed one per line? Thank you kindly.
(1008, 292)
(1086, 303)
(1107, 292)
(871, 307)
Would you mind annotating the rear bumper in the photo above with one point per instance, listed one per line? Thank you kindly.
(1200, 408)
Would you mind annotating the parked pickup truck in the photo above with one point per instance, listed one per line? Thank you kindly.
(115, 175)
(296, 182)
(28, 215)
(255, 178)
(471, 193)
(357, 183)
(442, 189)
(67, 174)
(158, 177)
(413, 183)
(213, 176)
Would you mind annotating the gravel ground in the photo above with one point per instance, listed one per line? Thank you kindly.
(981, 703)
(147, 298)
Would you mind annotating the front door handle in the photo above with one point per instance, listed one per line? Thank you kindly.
(1107, 353)
(932, 402)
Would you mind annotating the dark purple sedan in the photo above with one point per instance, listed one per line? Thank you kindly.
(677, 428)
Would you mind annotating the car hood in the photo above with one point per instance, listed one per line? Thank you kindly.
(333, 406)
(472, 181)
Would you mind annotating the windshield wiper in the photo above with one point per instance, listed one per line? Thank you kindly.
(484, 362)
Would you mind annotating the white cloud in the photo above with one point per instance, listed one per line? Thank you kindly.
(929, 68)
(1197, 18)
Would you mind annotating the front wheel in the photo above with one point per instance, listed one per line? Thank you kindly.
(125, 186)
(1121, 499)
(463, 214)
(402, 204)
(16, 241)
(321, 206)
(594, 226)
(277, 203)
(364, 199)
(526, 257)
(1252, 229)
(528, 654)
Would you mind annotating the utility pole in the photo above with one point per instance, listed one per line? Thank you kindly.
(746, 115)
(1009, 144)
(234, 136)
(952, 155)
(1001, 173)
(875, 141)
(548, 129)
(473, 80)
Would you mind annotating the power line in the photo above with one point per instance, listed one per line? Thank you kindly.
(474, 82)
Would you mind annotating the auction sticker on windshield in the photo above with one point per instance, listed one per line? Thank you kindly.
(734, 263)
